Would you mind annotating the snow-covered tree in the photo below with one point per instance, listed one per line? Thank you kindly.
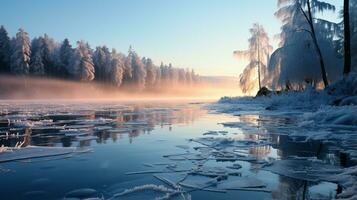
(166, 74)
(20, 58)
(65, 55)
(128, 70)
(82, 67)
(150, 73)
(182, 76)
(44, 59)
(48, 52)
(4, 50)
(173, 75)
(158, 77)
(43, 56)
(195, 77)
(138, 71)
(188, 77)
(308, 9)
(117, 68)
(298, 59)
(102, 64)
(257, 54)
(37, 67)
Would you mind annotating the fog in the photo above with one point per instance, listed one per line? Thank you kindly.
(29, 88)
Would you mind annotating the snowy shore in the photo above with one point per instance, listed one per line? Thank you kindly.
(329, 116)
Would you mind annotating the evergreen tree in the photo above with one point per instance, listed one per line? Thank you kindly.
(117, 69)
(4, 51)
(188, 77)
(158, 79)
(128, 70)
(182, 76)
(82, 67)
(48, 55)
(102, 64)
(150, 73)
(138, 73)
(65, 55)
(37, 67)
(20, 58)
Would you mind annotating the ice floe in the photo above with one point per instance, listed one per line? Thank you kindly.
(30, 152)
(303, 169)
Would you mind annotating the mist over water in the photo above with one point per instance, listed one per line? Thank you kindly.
(29, 88)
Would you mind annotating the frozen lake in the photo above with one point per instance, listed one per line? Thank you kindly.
(148, 150)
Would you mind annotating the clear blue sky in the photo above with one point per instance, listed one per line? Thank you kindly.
(199, 34)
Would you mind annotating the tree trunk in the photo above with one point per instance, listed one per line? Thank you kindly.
(347, 42)
(318, 50)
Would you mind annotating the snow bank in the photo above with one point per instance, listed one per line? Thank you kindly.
(337, 105)
(307, 99)
(332, 115)
(344, 87)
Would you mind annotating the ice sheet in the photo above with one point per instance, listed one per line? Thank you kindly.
(34, 152)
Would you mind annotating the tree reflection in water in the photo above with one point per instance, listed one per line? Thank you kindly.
(67, 116)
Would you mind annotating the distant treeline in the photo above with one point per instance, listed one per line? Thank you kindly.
(44, 57)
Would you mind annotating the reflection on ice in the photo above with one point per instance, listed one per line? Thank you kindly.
(67, 123)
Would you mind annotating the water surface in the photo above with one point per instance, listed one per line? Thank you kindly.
(117, 143)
